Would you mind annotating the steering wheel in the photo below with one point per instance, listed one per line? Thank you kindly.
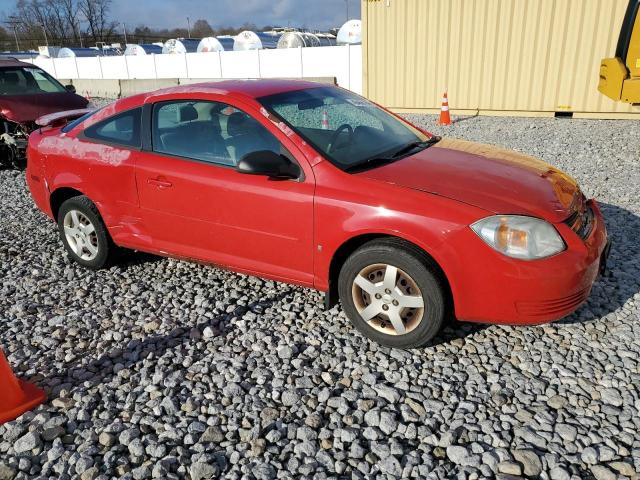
(336, 135)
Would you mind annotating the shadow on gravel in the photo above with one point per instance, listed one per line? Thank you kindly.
(455, 330)
(129, 258)
(107, 365)
(622, 280)
(464, 119)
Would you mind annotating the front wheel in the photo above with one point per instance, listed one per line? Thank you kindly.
(83, 233)
(393, 293)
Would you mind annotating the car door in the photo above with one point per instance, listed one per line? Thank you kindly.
(195, 204)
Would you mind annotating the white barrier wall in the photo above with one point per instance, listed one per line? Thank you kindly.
(344, 63)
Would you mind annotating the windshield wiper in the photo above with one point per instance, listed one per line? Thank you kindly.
(397, 155)
(370, 163)
(413, 145)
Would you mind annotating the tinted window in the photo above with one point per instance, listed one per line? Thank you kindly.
(23, 81)
(121, 129)
(209, 131)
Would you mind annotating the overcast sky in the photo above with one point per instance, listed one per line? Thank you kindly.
(320, 14)
(313, 14)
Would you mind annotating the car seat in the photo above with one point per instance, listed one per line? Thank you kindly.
(194, 138)
(246, 135)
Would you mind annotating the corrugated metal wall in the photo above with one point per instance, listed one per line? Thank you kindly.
(495, 56)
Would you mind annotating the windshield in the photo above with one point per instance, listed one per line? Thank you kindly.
(346, 128)
(27, 81)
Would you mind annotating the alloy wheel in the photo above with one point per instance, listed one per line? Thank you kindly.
(388, 299)
(81, 235)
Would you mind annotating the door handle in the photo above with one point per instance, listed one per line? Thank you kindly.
(159, 182)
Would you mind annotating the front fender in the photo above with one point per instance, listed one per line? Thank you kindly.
(348, 206)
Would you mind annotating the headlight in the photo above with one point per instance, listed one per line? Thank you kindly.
(519, 237)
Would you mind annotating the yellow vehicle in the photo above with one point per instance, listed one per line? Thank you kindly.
(620, 76)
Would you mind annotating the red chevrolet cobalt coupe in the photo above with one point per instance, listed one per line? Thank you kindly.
(313, 185)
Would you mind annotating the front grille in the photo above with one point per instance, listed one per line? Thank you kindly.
(551, 308)
(581, 222)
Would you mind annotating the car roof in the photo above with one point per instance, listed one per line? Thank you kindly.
(254, 88)
(12, 62)
(247, 88)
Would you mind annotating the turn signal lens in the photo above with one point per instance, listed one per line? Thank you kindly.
(520, 237)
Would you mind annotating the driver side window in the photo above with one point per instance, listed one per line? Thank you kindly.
(212, 132)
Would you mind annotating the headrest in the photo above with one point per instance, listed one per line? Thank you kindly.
(235, 124)
(187, 113)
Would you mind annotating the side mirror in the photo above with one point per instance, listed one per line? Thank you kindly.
(70, 88)
(268, 163)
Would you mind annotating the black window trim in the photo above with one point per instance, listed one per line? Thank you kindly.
(83, 136)
(147, 136)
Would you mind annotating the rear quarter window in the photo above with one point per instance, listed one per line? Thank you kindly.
(121, 129)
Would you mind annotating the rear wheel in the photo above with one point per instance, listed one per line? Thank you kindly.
(83, 233)
(393, 293)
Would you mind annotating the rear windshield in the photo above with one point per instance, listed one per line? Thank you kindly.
(27, 81)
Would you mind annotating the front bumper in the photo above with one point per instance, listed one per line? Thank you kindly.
(499, 289)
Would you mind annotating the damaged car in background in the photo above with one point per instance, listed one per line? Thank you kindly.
(26, 93)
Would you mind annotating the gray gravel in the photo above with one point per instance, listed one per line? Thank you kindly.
(157, 368)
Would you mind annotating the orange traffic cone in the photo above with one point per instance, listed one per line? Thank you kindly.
(445, 118)
(16, 396)
(325, 121)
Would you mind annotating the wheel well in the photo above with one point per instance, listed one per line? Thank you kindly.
(351, 245)
(59, 196)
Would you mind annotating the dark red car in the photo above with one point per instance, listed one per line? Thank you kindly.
(314, 185)
(26, 93)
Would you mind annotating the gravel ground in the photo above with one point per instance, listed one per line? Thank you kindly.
(158, 368)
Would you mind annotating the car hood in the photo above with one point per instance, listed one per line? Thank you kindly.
(26, 108)
(497, 180)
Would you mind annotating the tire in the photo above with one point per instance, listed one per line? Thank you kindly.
(363, 278)
(84, 235)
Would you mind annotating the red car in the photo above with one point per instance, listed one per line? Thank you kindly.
(313, 185)
(26, 93)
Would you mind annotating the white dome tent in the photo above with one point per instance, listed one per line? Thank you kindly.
(350, 33)
(181, 45)
(142, 49)
(247, 40)
(305, 39)
(86, 52)
(210, 44)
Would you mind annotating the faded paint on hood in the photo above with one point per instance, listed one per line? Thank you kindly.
(495, 179)
(27, 108)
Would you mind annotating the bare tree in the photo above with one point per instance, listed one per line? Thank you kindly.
(96, 13)
(70, 10)
(58, 18)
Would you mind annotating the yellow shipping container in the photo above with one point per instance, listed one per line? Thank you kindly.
(496, 57)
